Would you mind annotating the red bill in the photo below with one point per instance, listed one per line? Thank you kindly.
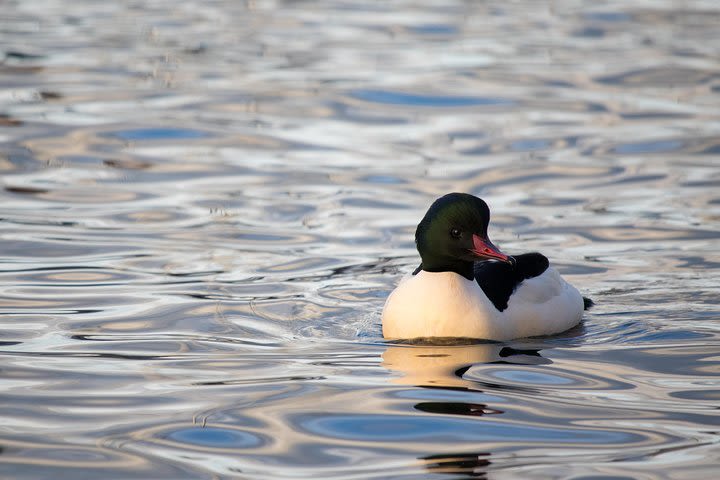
(484, 249)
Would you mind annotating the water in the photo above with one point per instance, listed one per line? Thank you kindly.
(204, 205)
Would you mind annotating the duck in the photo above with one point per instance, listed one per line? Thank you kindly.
(465, 287)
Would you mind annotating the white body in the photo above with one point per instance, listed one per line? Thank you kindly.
(445, 304)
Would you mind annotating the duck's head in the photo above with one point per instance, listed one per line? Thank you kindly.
(453, 235)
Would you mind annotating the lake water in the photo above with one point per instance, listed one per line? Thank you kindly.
(203, 206)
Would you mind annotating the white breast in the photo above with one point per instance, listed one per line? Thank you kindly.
(445, 304)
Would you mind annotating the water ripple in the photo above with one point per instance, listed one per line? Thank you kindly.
(203, 209)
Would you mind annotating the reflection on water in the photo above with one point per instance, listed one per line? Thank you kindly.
(203, 208)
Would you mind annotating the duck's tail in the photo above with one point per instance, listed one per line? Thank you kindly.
(587, 303)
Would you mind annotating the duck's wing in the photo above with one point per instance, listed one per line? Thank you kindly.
(499, 280)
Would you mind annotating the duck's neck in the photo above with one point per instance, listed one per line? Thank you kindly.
(460, 267)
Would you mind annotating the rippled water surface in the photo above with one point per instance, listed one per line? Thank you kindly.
(203, 206)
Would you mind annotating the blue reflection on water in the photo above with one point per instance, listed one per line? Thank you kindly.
(414, 99)
(649, 147)
(608, 16)
(529, 145)
(215, 437)
(443, 428)
(434, 29)
(536, 378)
(157, 134)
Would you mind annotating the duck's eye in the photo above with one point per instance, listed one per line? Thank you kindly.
(455, 233)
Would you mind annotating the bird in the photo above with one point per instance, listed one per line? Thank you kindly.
(465, 287)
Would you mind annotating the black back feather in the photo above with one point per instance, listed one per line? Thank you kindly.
(499, 280)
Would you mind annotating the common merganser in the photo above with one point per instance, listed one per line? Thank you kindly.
(466, 287)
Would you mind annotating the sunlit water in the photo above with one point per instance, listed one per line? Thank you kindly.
(203, 206)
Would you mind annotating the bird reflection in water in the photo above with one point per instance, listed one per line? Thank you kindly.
(443, 367)
(472, 465)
